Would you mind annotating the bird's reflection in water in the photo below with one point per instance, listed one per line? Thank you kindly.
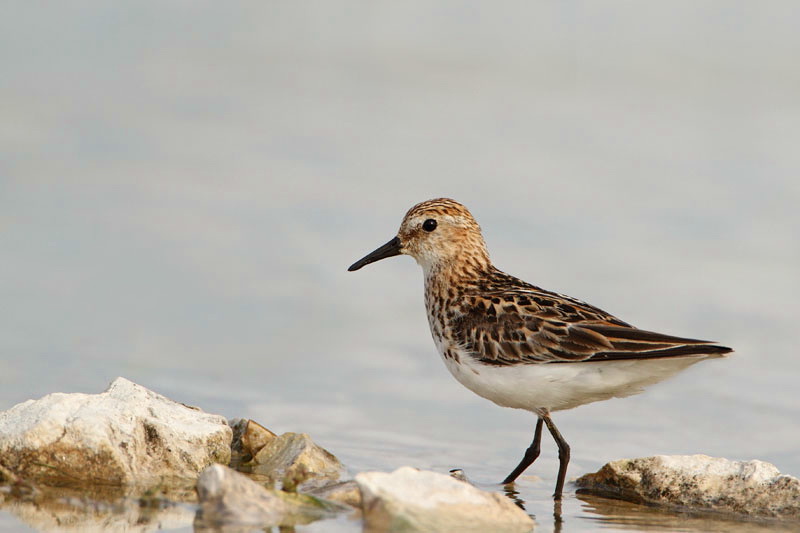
(557, 520)
(513, 495)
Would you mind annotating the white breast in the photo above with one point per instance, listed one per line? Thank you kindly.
(557, 386)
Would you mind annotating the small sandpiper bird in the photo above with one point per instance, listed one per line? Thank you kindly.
(519, 345)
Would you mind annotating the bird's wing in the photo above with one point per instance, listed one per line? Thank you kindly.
(533, 326)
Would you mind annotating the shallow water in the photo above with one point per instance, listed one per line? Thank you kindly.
(182, 188)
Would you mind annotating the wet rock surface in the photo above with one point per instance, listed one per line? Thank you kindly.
(414, 500)
(294, 458)
(698, 482)
(127, 435)
(229, 498)
(346, 492)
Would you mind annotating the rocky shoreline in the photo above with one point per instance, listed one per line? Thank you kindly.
(131, 443)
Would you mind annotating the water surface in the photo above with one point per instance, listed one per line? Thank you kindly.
(182, 188)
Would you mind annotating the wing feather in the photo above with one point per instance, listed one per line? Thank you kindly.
(532, 326)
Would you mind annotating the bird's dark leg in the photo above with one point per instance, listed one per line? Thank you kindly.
(530, 454)
(563, 455)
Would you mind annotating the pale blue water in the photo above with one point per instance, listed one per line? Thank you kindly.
(182, 187)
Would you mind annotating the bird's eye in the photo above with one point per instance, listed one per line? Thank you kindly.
(429, 225)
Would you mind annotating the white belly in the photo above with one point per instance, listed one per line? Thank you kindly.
(556, 386)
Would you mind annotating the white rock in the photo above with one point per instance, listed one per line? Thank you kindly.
(418, 500)
(228, 498)
(127, 435)
(752, 488)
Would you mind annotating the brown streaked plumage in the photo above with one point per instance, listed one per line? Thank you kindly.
(517, 344)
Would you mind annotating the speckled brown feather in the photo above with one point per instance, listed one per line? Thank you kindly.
(502, 320)
(517, 323)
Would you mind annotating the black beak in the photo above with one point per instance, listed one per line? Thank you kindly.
(389, 249)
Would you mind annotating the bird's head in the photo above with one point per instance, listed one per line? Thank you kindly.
(437, 233)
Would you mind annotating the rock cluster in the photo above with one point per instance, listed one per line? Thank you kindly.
(129, 436)
(151, 447)
(154, 448)
(700, 482)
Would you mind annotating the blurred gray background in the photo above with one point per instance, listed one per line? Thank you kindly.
(183, 185)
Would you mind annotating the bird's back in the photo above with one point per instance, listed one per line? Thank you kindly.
(504, 321)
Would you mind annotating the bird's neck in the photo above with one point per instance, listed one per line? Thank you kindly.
(446, 286)
(449, 279)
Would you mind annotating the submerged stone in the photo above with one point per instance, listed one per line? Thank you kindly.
(127, 435)
(699, 482)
